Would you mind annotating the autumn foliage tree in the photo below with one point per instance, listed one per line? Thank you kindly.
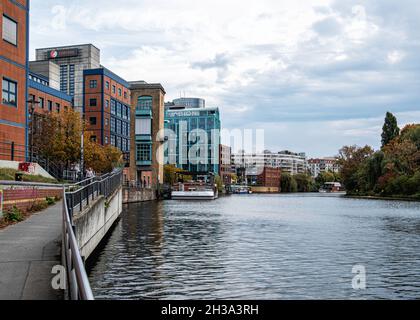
(392, 171)
(57, 137)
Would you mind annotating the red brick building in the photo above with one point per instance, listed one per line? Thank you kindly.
(43, 98)
(14, 26)
(226, 171)
(270, 177)
(106, 107)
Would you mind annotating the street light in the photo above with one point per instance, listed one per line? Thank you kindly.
(32, 102)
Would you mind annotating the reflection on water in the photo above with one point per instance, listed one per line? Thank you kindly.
(261, 247)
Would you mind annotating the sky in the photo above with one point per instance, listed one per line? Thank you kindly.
(313, 74)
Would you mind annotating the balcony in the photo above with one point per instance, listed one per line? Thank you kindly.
(144, 112)
(144, 137)
(144, 163)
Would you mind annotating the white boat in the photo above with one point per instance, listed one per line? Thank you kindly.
(194, 195)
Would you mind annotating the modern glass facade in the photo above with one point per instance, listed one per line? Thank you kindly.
(185, 142)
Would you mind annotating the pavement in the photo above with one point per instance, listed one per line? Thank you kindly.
(28, 252)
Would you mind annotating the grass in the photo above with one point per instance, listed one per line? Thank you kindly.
(9, 175)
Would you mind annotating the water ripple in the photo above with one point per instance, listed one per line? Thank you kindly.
(261, 247)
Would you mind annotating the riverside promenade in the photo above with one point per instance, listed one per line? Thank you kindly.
(28, 252)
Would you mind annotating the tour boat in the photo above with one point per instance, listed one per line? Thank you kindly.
(331, 187)
(194, 192)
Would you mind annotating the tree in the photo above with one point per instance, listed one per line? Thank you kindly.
(304, 182)
(288, 183)
(219, 183)
(350, 159)
(390, 129)
(57, 136)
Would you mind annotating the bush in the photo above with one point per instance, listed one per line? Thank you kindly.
(39, 206)
(50, 201)
(13, 215)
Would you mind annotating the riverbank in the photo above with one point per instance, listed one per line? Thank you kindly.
(399, 198)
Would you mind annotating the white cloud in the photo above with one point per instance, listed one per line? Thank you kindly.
(306, 70)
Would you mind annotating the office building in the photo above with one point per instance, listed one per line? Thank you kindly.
(184, 122)
(147, 112)
(107, 108)
(186, 103)
(14, 69)
(72, 61)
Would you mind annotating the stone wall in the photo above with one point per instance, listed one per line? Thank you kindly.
(94, 222)
(133, 195)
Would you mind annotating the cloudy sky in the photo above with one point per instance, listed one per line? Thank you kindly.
(314, 74)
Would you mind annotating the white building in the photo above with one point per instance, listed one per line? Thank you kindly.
(288, 162)
(317, 166)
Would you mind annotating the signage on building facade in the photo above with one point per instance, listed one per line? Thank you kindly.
(65, 53)
(183, 114)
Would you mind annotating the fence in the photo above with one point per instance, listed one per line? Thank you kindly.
(76, 198)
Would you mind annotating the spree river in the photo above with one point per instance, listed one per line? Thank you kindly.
(261, 247)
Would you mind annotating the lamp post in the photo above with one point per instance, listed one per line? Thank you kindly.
(32, 103)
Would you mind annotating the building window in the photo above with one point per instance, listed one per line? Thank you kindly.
(92, 121)
(107, 85)
(71, 79)
(9, 92)
(119, 92)
(41, 103)
(9, 30)
(119, 127)
(92, 102)
(64, 78)
(58, 107)
(113, 107)
(106, 122)
(144, 127)
(143, 152)
(112, 124)
(113, 89)
(106, 140)
(144, 103)
(50, 104)
(106, 103)
(112, 140)
(93, 84)
(119, 111)
(125, 94)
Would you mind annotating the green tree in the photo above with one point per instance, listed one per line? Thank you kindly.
(218, 181)
(304, 182)
(351, 158)
(390, 129)
(288, 183)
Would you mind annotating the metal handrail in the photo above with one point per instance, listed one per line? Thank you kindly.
(77, 279)
(79, 286)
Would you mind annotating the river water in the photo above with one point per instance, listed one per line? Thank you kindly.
(261, 247)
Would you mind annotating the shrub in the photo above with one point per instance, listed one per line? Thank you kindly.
(50, 201)
(13, 215)
(39, 206)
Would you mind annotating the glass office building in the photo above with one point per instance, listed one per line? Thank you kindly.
(193, 139)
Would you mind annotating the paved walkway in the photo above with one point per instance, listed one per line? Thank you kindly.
(28, 251)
